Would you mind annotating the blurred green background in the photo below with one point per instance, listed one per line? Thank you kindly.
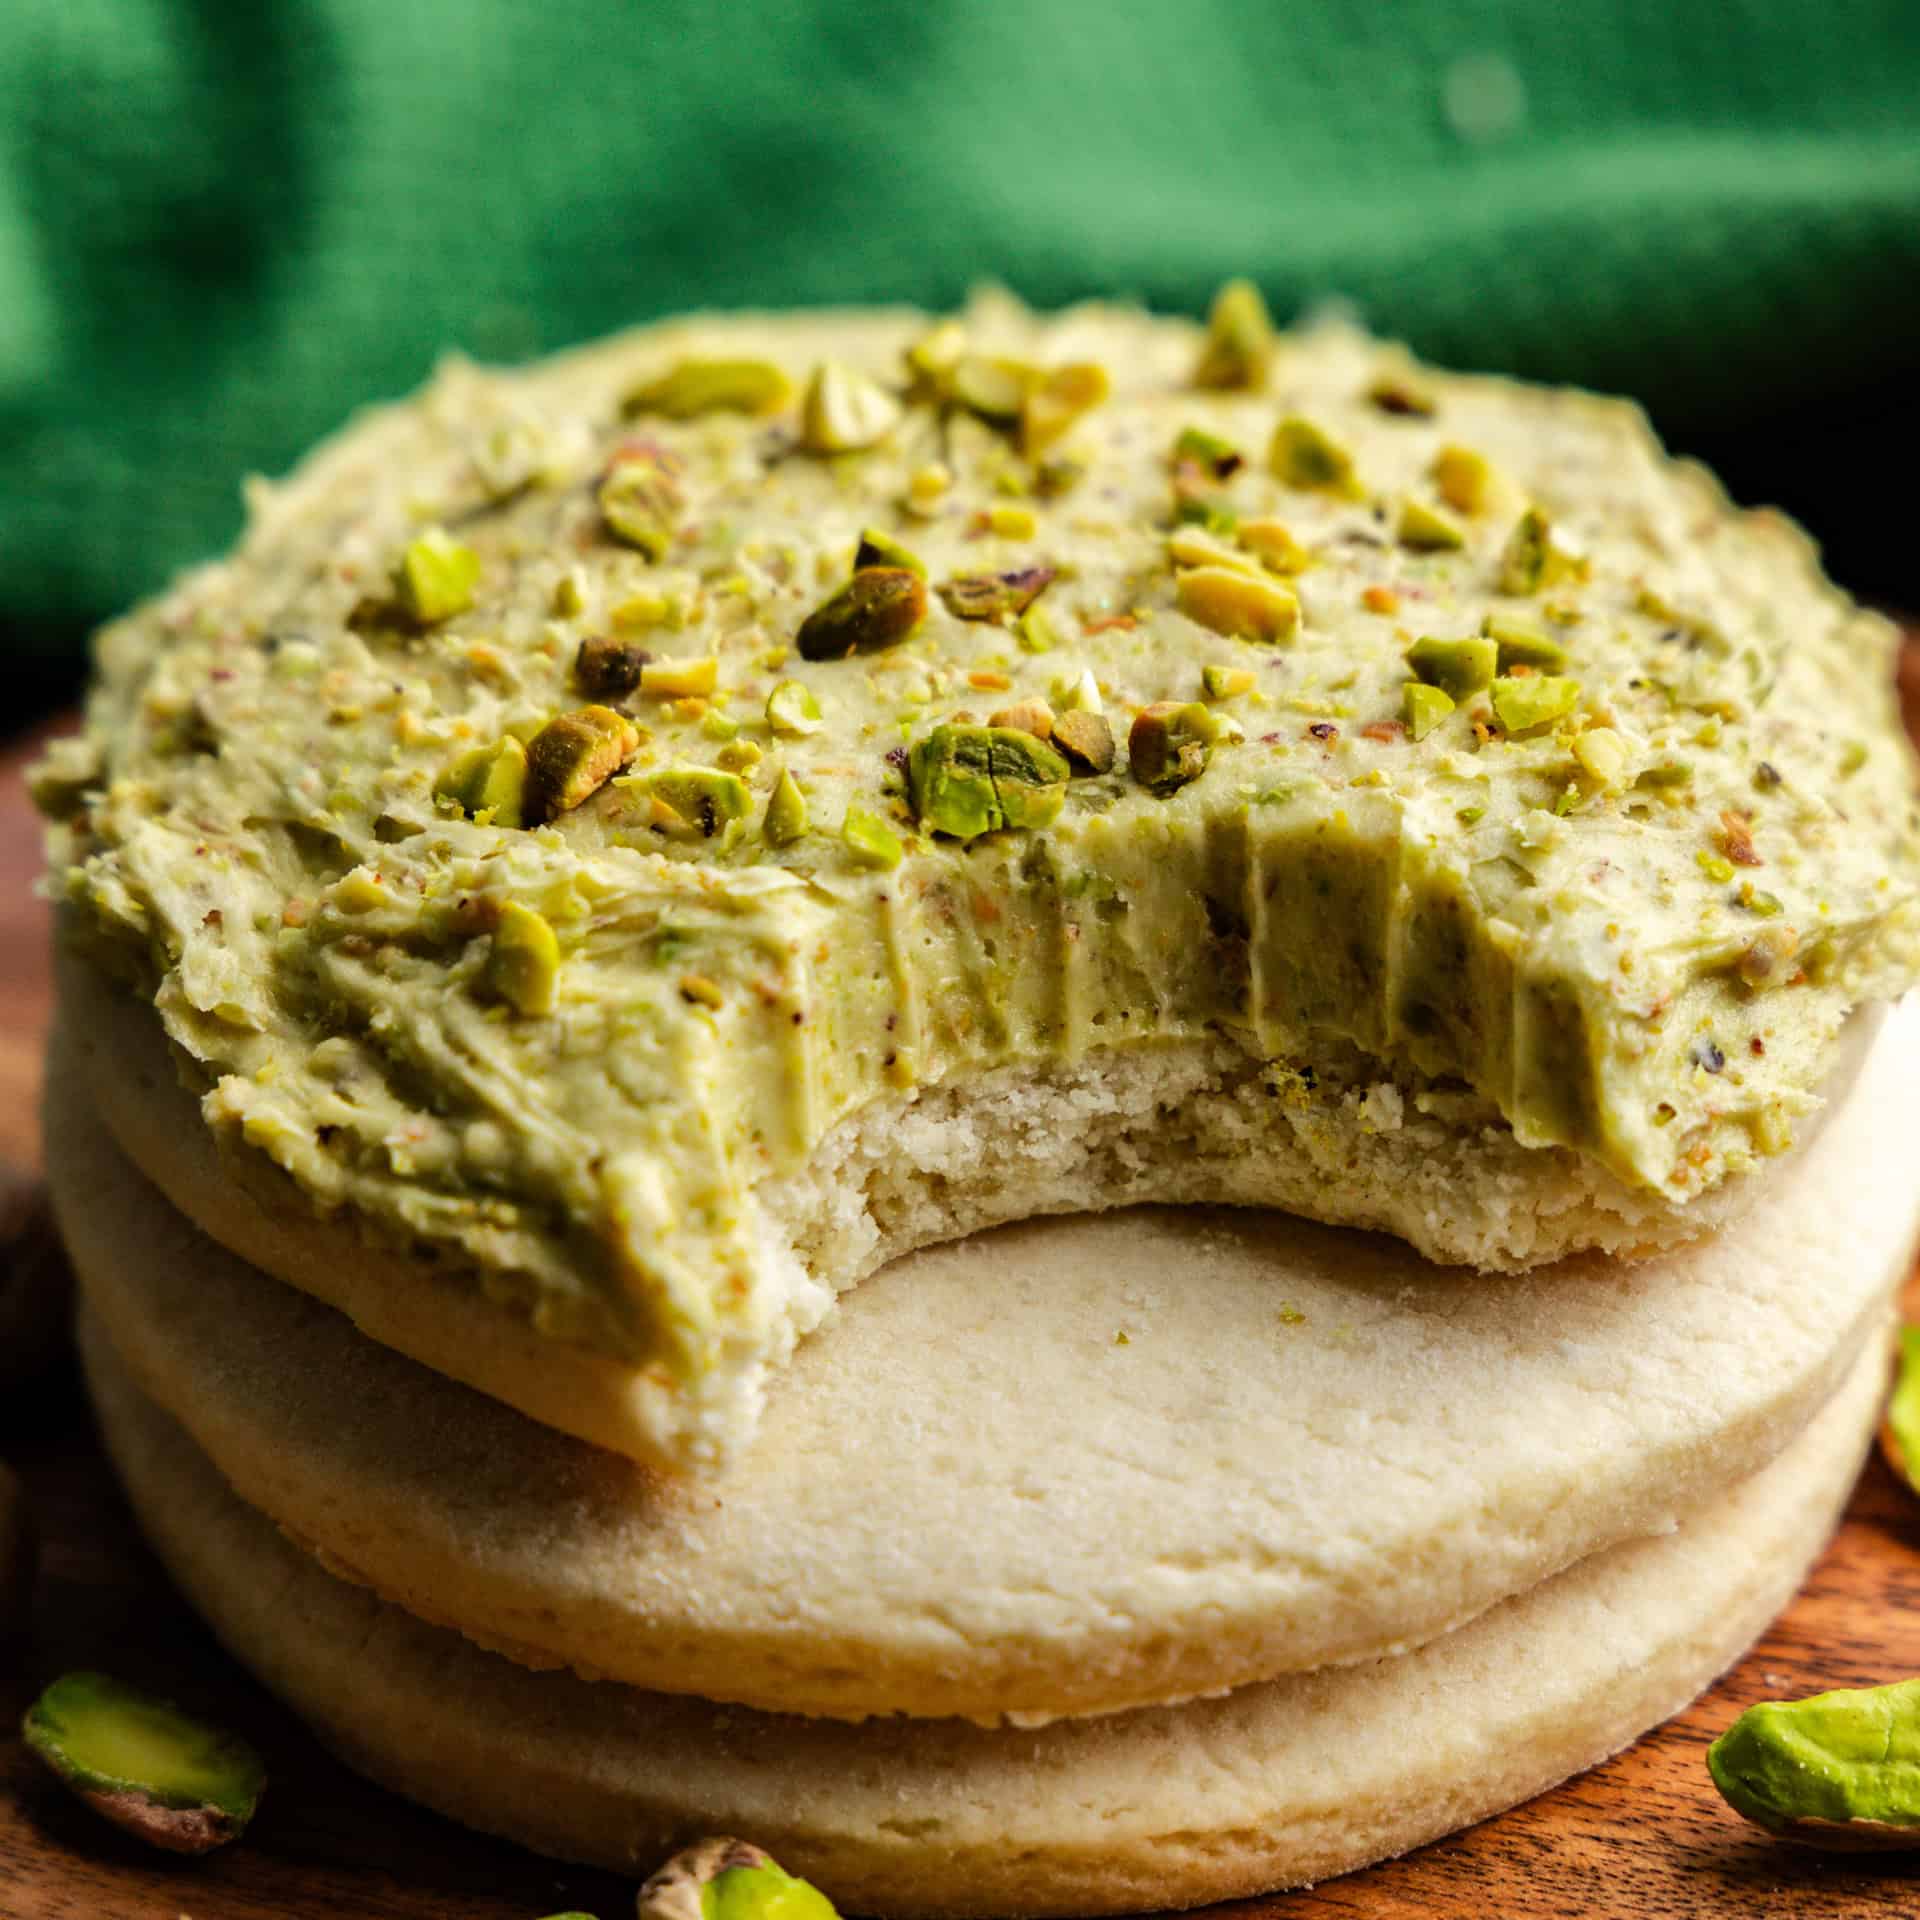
(225, 222)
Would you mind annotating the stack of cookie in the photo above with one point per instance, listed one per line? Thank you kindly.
(624, 852)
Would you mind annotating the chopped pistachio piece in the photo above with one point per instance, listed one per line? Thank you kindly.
(1225, 683)
(694, 387)
(1839, 1769)
(995, 389)
(1240, 343)
(174, 1781)
(844, 411)
(1900, 1436)
(641, 499)
(1535, 557)
(1304, 457)
(1025, 716)
(1427, 530)
(1055, 402)
(608, 668)
(968, 780)
(706, 798)
(1012, 522)
(487, 783)
(1196, 546)
(1463, 479)
(1036, 632)
(1274, 547)
(877, 549)
(683, 679)
(1085, 740)
(878, 608)
(1170, 743)
(785, 820)
(1219, 459)
(523, 962)
(1243, 606)
(870, 840)
(1076, 693)
(1668, 773)
(1399, 390)
(1521, 704)
(1457, 667)
(932, 358)
(435, 578)
(1523, 646)
(995, 596)
(572, 757)
(1424, 707)
(792, 709)
(1603, 755)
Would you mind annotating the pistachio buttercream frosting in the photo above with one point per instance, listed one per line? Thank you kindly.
(601, 814)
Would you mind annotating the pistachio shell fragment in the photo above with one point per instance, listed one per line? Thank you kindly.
(1900, 1436)
(1426, 529)
(1170, 744)
(609, 668)
(995, 596)
(968, 780)
(1839, 1769)
(878, 608)
(1424, 707)
(792, 709)
(435, 578)
(487, 783)
(1243, 606)
(572, 757)
(844, 411)
(1535, 701)
(1240, 339)
(785, 819)
(706, 798)
(727, 1879)
(174, 1781)
(523, 963)
(1523, 646)
(1463, 479)
(1457, 667)
(641, 498)
(877, 549)
(694, 387)
(1535, 558)
(1058, 400)
(870, 840)
(1085, 741)
(1303, 457)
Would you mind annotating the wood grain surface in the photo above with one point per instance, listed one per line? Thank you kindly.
(1642, 1838)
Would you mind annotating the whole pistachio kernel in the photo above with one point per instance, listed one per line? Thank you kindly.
(435, 578)
(1523, 646)
(1426, 529)
(785, 819)
(1084, 740)
(607, 667)
(641, 498)
(844, 411)
(1839, 1769)
(572, 757)
(727, 1879)
(1456, 667)
(995, 389)
(878, 608)
(995, 596)
(877, 549)
(870, 840)
(487, 783)
(1463, 479)
(1304, 457)
(1424, 707)
(1241, 605)
(523, 962)
(1239, 347)
(1534, 701)
(792, 709)
(1170, 744)
(693, 387)
(1900, 1435)
(1535, 557)
(1058, 400)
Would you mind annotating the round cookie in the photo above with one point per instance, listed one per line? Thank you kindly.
(1070, 1468)
(1267, 1787)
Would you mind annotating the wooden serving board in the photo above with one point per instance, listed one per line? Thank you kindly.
(1644, 1837)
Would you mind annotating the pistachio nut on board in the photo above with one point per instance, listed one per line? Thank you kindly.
(627, 849)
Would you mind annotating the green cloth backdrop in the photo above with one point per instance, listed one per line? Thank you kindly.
(225, 222)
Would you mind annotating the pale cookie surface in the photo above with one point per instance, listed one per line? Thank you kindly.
(1067, 1468)
(1268, 1787)
(586, 789)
